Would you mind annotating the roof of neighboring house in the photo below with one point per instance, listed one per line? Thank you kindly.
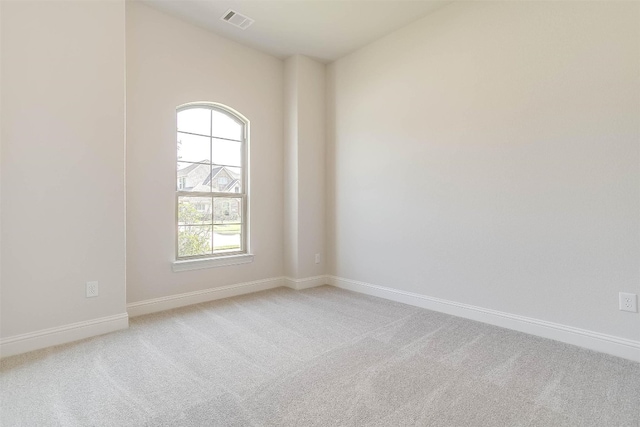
(216, 170)
(204, 185)
(231, 185)
(186, 171)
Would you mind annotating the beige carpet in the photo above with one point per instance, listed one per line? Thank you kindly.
(319, 357)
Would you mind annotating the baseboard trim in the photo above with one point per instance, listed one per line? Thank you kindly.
(305, 283)
(616, 346)
(181, 300)
(24, 343)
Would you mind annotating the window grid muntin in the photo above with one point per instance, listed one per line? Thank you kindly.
(211, 136)
(213, 195)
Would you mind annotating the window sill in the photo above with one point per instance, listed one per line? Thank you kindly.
(198, 264)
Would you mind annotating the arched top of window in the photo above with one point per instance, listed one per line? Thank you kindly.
(212, 120)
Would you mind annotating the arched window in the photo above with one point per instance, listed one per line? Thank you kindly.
(211, 190)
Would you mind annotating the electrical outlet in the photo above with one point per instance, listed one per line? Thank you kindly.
(629, 302)
(317, 258)
(92, 289)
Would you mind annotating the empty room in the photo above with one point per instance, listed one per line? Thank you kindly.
(319, 213)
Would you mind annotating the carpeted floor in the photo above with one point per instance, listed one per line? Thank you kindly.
(319, 357)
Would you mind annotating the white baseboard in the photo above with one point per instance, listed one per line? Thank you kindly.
(305, 283)
(23, 343)
(616, 346)
(621, 347)
(180, 300)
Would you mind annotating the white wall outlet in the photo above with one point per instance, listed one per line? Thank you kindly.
(92, 289)
(317, 258)
(629, 302)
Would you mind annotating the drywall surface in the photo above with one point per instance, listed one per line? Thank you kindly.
(304, 167)
(170, 63)
(311, 178)
(488, 154)
(63, 100)
(291, 167)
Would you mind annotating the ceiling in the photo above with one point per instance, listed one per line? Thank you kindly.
(321, 29)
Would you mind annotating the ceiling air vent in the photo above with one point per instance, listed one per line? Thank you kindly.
(234, 18)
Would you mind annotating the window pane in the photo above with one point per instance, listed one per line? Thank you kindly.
(192, 148)
(228, 153)
(227, 237)
(194, 240)
(195, 120)
(226, 179)
(226, 127)
(194, 177)
(194, 210)
(227, 210)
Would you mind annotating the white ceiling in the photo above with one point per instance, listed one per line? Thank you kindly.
(322, 29)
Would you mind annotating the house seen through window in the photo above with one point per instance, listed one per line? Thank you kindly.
(211, 191)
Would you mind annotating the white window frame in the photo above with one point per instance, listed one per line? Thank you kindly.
(221, 258)
(182, 183)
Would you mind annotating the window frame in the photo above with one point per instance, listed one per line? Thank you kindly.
(213, 195)
(182, 182)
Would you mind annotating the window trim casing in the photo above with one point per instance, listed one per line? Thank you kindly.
(244, 252)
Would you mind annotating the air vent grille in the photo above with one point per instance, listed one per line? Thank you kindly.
(237, 19)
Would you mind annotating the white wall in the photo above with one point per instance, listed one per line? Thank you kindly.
(488, 154)
(291, 167)
(304, 167)
(169, 63)
(62, 96)
(311, 165)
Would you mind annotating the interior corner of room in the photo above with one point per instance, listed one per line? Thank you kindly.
(481, 161)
